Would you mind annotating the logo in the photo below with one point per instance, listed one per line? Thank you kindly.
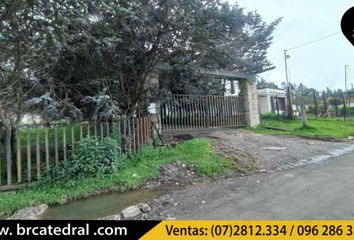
(347, 25)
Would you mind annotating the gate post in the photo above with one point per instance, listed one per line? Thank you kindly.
(248, 90)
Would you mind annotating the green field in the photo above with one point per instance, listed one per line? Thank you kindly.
(321, 128)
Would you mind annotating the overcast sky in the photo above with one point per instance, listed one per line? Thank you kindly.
(318, 65)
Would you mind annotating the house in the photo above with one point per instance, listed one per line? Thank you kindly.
(272, 99)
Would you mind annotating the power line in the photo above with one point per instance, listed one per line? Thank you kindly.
(313, 41)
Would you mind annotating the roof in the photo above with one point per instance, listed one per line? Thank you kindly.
(229, 75)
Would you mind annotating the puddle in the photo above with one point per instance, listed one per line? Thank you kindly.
(318, 158)
(99, 206)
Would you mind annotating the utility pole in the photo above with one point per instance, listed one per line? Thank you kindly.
(290, 102)
(345, 82)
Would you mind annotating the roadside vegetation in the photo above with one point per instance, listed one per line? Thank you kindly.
(80, 180)
(321, 128)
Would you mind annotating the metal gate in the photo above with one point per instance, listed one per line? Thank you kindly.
(186, 111)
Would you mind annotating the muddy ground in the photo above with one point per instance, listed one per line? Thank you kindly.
(263, 155)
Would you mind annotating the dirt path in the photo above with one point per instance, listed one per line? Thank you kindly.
(269, 152)
(304, 179)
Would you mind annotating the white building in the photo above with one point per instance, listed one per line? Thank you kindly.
(268, 98)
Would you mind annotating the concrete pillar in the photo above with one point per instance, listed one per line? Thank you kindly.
(249, 92)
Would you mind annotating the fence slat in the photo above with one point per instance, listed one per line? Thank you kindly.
(133, 135)
(19, 160)
(124, 134)
(56, 146)
(101, 129)
(29, 165)
(81, 134)
(64, 141)
(95, 129)
(185, 112)
(129, 138)
(38, 154)
(46, 147)
(88, 130)
(141, 132)
(72, 138)
(8, 155)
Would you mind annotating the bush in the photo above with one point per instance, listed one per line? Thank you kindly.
(92, 157)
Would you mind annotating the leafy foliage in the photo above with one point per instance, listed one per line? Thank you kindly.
(76, 50)
(92, 157)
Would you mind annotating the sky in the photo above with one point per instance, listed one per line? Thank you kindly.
(318, 65)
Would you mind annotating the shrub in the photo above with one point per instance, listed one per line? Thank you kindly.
(92, 157)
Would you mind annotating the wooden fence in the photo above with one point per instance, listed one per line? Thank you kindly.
(36, 147)
(185, 111)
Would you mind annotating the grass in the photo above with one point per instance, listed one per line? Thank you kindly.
(321, 128)
(141, 168)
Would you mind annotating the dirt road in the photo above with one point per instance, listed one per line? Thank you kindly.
(319, 191)
(271, 153)
(320, 187)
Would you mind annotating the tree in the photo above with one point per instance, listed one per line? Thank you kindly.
(264, 84)
(71, 51)
(122, 47)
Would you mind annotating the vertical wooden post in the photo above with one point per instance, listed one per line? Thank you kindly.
(303, 112)
(141, 126)
(107, 129)
(297, 104)
(316, 104)
(120, 134)
(272, 104)
(277, 104)
(138, 133)
(18, 151)
(207, 112)
(101, 128)
(81, 134)
(88, 130)
(146, 129)
(64, 141)
(336, 105)
(129, 137)
(38, 154)
(162, 114)
(46, 147)
(344, 106)
(213, 107)
(29, 165)
(7, 148)
(72, 138)
(56, 146)
(124, 135)
(95, 129)
(325, 104)
(133, 134)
